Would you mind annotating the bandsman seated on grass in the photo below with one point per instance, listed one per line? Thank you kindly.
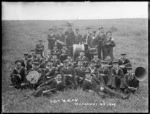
(95, 71)
(91, 83)
(56, 61)
(31, 54)
(39, 48)
(83, 58)
(129, 83)
(50, 70)
(68, 74)
(105, 70)
(79, 74)
(124, 62)
(43, 63)
(63, 53)
(51, 86)
(111, 83)
(18, 75)
(96, 59)
(35, 67)
(57, 51)
(70, 60)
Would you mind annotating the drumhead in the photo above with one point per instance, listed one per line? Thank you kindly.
(33, 77)
(77, 48)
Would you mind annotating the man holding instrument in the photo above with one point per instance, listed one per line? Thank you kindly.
(68, 74)
(51, 37)
(79, 73)
(78, 37)
(124, 62)
(60, 39)
(91, 83)
(51, 86)
(70, 38)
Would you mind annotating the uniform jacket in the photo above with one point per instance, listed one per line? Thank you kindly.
(39, 48)
(99, 39)
(51, 40)
(21, 72)
(70, 38)
(111, 44)
(50, 71)
(60, 37)
(84, 58)
(78, 39)
(68, 70)
(121, 62)
(79, 71)
(88, 39)
(56, 62)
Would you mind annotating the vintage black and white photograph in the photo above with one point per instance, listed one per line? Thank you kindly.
(75, 57)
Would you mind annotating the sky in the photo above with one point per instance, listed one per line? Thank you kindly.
(73, 10)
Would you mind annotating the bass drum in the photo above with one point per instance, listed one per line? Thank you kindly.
(33, 77)
(76, 49)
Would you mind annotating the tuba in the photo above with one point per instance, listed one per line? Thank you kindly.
(140, 73)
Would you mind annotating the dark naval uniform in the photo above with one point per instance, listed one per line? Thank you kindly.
(98, 41)
(68, 74)
(79, 73)
(70, 40)
(124, 62)
(60, 37)
(78, 39)
(18, 76)
(50, 86)
(108, 47)
(51, 40)
(39, 49)
(128, 81)
(84, 59)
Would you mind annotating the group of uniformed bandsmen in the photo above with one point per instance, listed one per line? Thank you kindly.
(60, 71)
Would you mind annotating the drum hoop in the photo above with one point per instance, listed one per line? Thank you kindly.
(30, 73)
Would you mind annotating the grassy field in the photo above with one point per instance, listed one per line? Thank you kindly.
(131, 37)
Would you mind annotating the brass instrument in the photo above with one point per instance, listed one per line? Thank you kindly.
(140, 73)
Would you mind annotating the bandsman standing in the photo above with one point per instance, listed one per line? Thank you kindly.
(51, 37)
(39, 48)
(78, 37)
(100, 37)
(60, 39)
(87, 39)
(108, 45)
(70, 38)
